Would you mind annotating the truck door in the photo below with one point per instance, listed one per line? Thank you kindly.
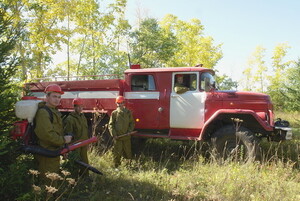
(186, 101)
(143, 101)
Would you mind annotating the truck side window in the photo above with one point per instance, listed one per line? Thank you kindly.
(142, 83)
(207, 82)
(185, 82)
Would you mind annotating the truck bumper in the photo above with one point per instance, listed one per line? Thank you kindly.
(285, 133)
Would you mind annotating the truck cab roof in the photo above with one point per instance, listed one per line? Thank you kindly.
(170, 69)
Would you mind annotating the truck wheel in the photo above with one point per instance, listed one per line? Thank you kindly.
(241, 145)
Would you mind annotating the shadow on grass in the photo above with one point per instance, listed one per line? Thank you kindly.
(116, 187)
(167, 154)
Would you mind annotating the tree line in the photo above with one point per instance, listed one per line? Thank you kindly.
(93, 37)
(277, 78)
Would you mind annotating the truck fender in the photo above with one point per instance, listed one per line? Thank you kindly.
(263, 123)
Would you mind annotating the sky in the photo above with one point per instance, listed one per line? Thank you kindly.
(240, 25)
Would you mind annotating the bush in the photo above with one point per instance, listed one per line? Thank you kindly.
(13, 169)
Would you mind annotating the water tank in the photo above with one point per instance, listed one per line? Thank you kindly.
(27, 107)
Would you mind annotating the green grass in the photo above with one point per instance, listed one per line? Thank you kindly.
(169, 170)
(292, 117)
(173, 170)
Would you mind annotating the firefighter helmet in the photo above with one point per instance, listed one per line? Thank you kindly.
(77, 101)
(53, 88)
(120, 99)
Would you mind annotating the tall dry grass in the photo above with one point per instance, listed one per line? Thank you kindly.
(173, 170)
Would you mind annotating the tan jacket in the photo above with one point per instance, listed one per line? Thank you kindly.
(50, 135)
(180, 88)
(77, 125)
(121, 122)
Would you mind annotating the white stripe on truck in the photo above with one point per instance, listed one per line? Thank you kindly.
(83, 94)
(142, 95)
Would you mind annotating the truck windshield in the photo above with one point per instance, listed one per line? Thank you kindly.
(207, 82)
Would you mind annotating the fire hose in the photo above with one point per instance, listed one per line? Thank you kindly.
(34, 149)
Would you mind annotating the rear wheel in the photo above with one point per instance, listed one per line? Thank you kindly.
(229, 144)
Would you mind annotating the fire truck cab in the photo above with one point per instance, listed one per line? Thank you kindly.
(159, 110)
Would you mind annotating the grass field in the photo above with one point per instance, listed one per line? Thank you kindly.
(174, 170)
(170, 170)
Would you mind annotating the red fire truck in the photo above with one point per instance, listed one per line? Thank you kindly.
(230, 121)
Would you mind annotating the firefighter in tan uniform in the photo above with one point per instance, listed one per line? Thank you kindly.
(120, 123)
(76, 124)
(179, 87)
(49, 131)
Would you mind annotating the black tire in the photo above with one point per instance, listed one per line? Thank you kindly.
(229, 144)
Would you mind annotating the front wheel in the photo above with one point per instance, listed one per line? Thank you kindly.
(240, 145)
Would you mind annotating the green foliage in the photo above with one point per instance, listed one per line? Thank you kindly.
(279, 76)
(290, 91)
(257, 71)
(83, 27)
(152, 46)
(44, 34)
(277, 79)
(12, 164)
(13, 168)
(8, 63)
(194, 48)
(248, 80)
(226, 83)
(98, 39)
(98, 43)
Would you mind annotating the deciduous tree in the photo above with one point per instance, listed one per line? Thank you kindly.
(226, 83)
(194, 47)
(290, 89)
(151, 46)
(278, 78)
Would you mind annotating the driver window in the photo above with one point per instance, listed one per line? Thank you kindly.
(185, 82)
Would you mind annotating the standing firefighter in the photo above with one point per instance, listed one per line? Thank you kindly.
(76, 124)
(49, 130)
(120, 123)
